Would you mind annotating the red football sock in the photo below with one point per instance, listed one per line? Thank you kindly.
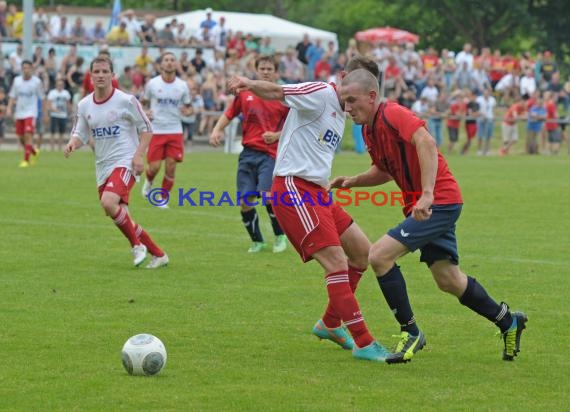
(331, 318)
(150, 176)
(125, 225)
(345, 304)
(167, 183)
(146, 240)
(27, 152)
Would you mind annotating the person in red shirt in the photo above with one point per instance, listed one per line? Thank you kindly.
(262, 123)
(402, 150)
(552, 128)
(456, 111)
(509, 126)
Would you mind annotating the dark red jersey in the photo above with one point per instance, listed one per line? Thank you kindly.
(390, 146)
(259, 116)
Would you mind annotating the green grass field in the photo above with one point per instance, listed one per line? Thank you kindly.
(237, 327)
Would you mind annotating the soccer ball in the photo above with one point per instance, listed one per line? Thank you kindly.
(144, 354)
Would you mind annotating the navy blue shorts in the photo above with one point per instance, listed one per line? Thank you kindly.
(255, 171)
(435, 237)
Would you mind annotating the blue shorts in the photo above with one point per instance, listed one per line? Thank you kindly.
(255, 171)
(435, 237)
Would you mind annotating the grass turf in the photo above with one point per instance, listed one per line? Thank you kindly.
(237, 326)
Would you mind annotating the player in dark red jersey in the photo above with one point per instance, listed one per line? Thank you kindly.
(262, 123)
(402, 150)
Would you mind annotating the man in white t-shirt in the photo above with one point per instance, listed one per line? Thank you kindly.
(59, 108)
(168, 97)
(486, 122)
(121, 133)
(26, 90)
(316, 226)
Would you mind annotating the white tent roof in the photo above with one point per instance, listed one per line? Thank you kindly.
(283, 33)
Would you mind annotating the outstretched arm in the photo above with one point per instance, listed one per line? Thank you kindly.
(265, 90)
(371, 177)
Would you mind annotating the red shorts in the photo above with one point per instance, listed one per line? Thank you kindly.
(165, 145)
(471, 129)
(310, 225)
(120, 182)
(25, 126)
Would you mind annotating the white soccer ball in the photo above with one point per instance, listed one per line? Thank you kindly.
(144, 354)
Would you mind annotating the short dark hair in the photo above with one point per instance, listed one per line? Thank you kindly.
(164, 54)
(362, 62)
(28, 62)
(102, 59)
(267, 58)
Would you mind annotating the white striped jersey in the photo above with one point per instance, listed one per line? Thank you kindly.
(26, 93)
(114, 124)
(166, 99)
(312, 132)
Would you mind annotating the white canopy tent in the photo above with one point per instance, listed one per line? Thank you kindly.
(283, 33)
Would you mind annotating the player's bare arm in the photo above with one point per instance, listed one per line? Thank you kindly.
(261, 88)
(371, 177)
(217, 135)
(427, 154)
(146, 108)
(71, 146)
(187, 110)
(9, 108)
(138, 158)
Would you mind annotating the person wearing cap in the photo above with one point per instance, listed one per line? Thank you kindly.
(209, 22)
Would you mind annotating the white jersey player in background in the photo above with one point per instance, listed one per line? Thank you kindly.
(318, 228)
(168, 98)
(121, 132)
(24, 94)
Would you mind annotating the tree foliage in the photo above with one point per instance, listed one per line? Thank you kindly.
(505, 24)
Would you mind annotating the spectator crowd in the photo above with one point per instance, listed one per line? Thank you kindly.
(473, 87)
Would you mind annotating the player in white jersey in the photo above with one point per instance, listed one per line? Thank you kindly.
(121, 131)
(168, 98)
(24, 94)
(317, 227)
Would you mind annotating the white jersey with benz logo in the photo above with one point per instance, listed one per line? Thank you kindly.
(26, 93)
(114, 124)
(166, 99)
(312, 132)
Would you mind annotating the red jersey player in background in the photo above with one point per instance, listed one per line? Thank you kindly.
(402, 150)
(121, 133)
(262, 123)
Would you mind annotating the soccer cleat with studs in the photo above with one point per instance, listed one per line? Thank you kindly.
(373, 352)
(512, 337)
(407, 347)
(337, 335)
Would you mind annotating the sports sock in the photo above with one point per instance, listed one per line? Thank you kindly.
(274, 223)
(167, 183)
(125, 225)
(331, 318)
(476, 298)
(344, 303)
(150, 176)
(146, 240)
(393, 288)
(28, 151)
(251, 222)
